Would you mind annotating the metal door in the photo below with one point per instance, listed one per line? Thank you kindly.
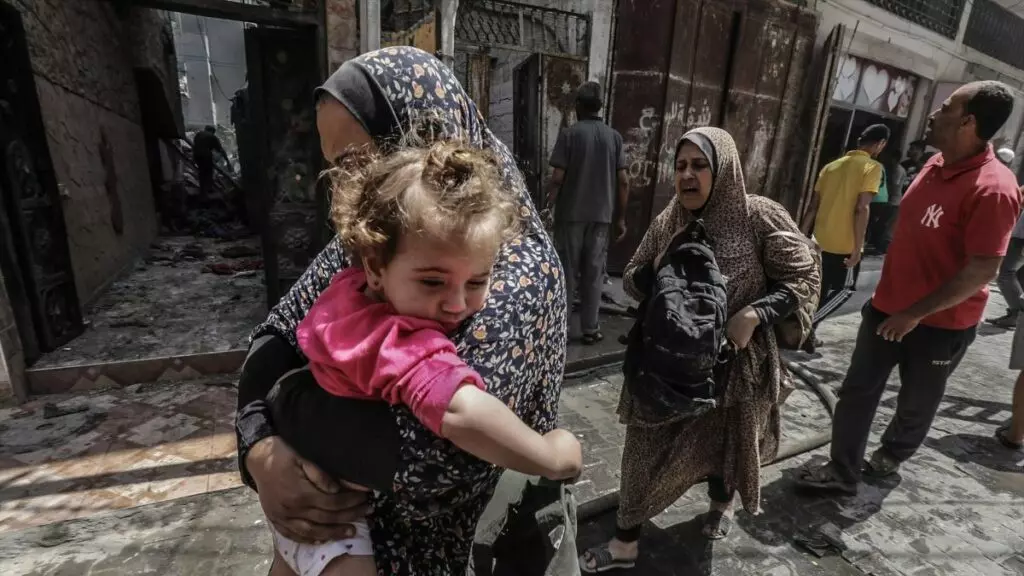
(544, 96)
(737, 64)
(478, 76)
(283, 72)
(560, 79)
(37, 262)
(827, 74)
(526, 128)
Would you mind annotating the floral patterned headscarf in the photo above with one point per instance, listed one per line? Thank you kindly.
(405, 95)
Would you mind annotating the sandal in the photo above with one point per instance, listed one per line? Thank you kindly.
(825, 479)
(882, 465)
(716, 525)
(1001, 435)
(590, 339)
(603, 561)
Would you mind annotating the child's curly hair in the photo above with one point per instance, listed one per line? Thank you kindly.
(447, 190)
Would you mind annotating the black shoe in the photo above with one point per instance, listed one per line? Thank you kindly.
(1007, 321)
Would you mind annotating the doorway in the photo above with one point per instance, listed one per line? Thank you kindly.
(34, 253)
(844, 126)
(231, 239)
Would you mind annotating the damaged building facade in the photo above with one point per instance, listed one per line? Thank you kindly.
(87, 87)
(93, 133)
(97, 104)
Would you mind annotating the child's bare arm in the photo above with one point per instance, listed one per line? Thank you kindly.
(483, 426)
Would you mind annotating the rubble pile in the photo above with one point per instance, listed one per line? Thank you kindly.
(184, 210)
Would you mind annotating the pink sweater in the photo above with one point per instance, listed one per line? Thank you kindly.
(361, 348)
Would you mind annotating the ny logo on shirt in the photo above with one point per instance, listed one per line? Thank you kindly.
(932, 215)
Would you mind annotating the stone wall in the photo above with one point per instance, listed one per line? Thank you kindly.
(83, 57)
(152, 43)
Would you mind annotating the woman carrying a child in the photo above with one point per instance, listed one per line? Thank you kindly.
(768, 276)
(449, 245)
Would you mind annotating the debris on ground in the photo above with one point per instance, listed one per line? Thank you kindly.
(51, 410)
(240, 251)
(172, 307)
(825, 540)
(232, 268)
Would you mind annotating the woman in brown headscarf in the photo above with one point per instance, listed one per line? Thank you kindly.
(770, 272)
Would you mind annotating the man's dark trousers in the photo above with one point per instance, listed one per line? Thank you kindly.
(926, 358)
(834, 274)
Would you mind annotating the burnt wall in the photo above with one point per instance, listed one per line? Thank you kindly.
(83, 55)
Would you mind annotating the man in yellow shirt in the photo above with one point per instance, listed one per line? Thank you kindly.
(843, 194)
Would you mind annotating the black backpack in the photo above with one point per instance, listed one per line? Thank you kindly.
(678, 340)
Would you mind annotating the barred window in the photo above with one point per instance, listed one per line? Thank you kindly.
(942, 16)
(996, 32)
(512, 25)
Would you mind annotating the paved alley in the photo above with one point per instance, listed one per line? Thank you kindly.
(956, 508)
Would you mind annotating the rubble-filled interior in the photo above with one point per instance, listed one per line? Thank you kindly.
(188, 295)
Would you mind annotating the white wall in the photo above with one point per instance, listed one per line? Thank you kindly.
(880, 35)
(214, 74)
(601, 18)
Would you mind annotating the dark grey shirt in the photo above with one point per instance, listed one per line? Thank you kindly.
(591, 153)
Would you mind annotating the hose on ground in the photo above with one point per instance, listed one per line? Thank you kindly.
(608, 502)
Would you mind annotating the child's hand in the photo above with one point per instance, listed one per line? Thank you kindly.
(568, 454)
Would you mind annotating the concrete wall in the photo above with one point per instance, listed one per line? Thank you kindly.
(211, 53)
(501, 119)
(156, 51)
(342, 32)
(83, 58)
(602, 15)
(884, 37)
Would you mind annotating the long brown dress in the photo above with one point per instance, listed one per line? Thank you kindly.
(662, 462)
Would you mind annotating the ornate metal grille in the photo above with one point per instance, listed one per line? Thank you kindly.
(499, 24)
(997, 32)
(515, 26)
(942, 16)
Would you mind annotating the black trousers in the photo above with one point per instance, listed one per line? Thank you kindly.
(204, 169)
(926, 358)
(352, 440)
(833, 274)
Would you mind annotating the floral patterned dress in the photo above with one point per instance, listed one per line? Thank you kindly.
(425, 527)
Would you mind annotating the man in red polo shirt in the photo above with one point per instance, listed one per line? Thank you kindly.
(951, 235)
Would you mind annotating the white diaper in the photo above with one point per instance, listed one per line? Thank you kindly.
(311, 559)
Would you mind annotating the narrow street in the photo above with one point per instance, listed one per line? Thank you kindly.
(177, 173)
(956, 508)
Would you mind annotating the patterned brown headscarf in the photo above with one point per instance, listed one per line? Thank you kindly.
(739, 227)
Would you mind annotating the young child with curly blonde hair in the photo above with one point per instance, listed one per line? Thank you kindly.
(426, 225)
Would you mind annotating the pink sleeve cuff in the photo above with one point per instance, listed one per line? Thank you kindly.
(433, 384)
